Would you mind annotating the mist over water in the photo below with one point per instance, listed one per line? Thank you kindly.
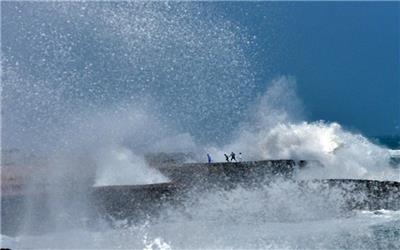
(76, 75)
(90, 88)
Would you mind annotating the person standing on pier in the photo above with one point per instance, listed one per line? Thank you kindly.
(209, 158)
(233, 157)
(226, 157)
(240, 156)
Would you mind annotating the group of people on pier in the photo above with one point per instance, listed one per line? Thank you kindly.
(228, 158)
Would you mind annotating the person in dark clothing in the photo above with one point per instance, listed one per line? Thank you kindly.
(233, 157)
(209, 158)
(226, 157)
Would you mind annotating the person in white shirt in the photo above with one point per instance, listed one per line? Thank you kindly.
(240, 156)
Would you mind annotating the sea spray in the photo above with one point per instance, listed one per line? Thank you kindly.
(119, 166)
(276, 130)
(83, 82)
(94, 55)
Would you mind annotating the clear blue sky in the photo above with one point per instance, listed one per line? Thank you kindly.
(345, 57)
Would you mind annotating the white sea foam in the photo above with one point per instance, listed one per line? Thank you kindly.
(277, 131)
(121, 167)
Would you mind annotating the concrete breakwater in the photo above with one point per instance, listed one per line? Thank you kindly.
(223, 172)
(139, 201)
(188, 179)
(133, 202)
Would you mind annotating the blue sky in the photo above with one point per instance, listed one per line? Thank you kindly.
(345, 57)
